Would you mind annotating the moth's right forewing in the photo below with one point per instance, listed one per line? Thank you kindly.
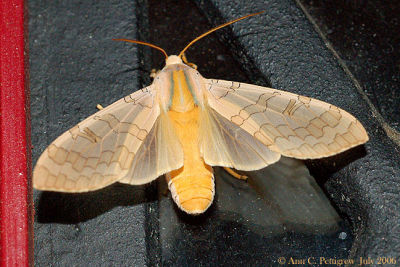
(289, 124)
(223, 143)
(99, 150)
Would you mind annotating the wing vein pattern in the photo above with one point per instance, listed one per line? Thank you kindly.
(288, 124)
(128, 137)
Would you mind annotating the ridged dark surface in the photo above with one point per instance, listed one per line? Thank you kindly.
(364, 185)
(366, 36)
(75, 65)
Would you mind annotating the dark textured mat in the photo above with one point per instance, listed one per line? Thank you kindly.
(74, 66)
(366, 36)
(288, 50)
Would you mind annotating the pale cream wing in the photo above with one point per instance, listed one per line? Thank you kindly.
(222, 143)
(161, 152)
(289, 124)
(101, 149)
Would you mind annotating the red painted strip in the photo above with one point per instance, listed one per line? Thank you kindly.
(15, 189)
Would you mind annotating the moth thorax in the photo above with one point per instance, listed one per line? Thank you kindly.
(182, 98)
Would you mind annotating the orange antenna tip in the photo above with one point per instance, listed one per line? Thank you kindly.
(217, 28)
(144, 43)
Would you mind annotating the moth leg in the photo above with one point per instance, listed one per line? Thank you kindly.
(99, 107)
(235, 174)
(163, 187)
(194, 66)
(154, 73)
(165, 192)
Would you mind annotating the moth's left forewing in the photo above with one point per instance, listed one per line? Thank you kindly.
(130, 141)
(99, 150)
(160, 153)
(289, 124)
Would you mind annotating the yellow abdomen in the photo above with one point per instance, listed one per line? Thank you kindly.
(192, 186)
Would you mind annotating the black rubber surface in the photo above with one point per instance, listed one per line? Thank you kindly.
(286, 48)
(366, 35)
(75, 65)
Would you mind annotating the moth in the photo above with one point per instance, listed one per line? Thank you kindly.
(183, 124)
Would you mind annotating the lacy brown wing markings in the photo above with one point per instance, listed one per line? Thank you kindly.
(103, 148)
(182, 124)
(292, 125)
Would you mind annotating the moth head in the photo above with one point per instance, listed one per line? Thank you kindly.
(173, 60)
